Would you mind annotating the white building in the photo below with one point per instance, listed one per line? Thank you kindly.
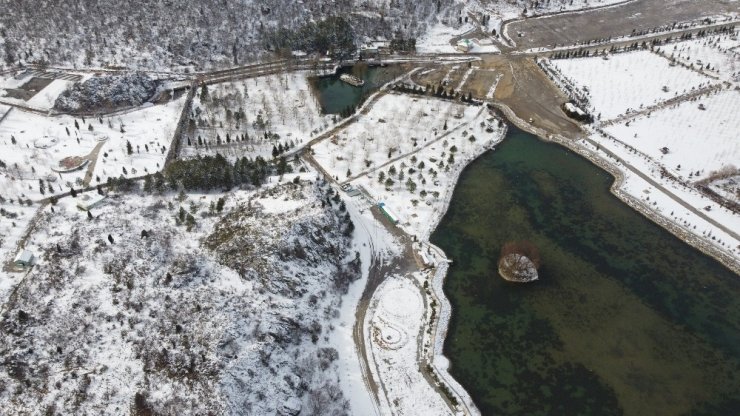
(90, 201)
(23, 259)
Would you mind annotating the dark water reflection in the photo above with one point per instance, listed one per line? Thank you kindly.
(336, 95)
(626, 318)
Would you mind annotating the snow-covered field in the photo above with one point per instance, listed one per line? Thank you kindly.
(699, 141)
(266, 111)
(408, 160)
(670, 199)
(396, 125)
(41, 142)
(399, 316)
(511, 9)
(422, 183)
(438, 36)
(627, 81)
(716, 54)
(44, 99)
(232, 316)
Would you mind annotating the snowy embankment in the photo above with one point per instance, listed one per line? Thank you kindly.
(249, 117)
(229, 313)
(675, 138)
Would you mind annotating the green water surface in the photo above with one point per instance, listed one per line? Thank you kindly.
(336, 95)
(625, 319)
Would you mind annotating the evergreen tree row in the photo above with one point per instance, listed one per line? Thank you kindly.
(215, 172)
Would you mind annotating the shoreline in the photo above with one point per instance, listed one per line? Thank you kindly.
(440, 326)
(711, 250)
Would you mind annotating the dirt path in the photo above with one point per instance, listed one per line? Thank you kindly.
(93, 158)
(673, 101)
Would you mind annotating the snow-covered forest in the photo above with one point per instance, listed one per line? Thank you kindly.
(186, 35)
(180, 33)
(211, 304)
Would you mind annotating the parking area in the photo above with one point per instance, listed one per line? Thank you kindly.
(567, 29)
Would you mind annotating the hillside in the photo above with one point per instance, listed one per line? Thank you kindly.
(206, 305)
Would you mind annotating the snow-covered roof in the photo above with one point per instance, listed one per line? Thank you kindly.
(573, 109)
(89, 200)
(24, 256)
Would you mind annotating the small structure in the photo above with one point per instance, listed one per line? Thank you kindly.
(89, 201)
(575, 112)
(466, 45)
(24, 259)
(388, 213)
(426, 260)
(352, 192)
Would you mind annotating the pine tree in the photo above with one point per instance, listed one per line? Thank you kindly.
(110, 238)
(129, 148)
(89, 215)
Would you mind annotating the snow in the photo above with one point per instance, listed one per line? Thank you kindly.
(698, 140)
(437, 38)
(669, 208)
(180, 317)
(398, 317)
(720, 52)
(627, 81)
(363, 147)
(42, 141)
(281, 105)
(44, 99)
(396, 124)
(372, 241)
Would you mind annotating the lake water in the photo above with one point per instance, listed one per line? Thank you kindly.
(625, 319)
(336, 95)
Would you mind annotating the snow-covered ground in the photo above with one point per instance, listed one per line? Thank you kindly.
(438, 36)
(699, 141)
(232, 316)
(422, 183)
(44, 99)
(396, 125)
(374, 243)
(675, 144)
(626, 81)
(417, 180)
(511, 9)
(400, 314)
(716, 54)
(670, 208)
(266, 111)
(41, 142)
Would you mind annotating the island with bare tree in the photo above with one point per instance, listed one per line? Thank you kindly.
(519, 261)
